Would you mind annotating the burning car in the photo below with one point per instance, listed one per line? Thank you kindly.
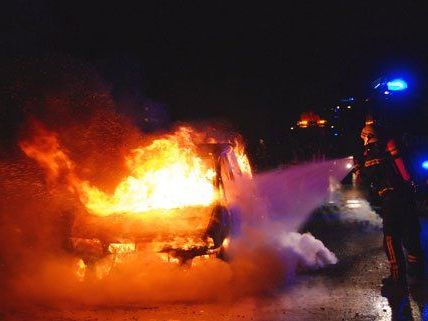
(174, 201)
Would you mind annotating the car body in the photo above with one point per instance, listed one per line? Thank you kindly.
(179, 235)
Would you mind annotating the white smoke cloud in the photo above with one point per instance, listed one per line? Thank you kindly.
(311, 253)
(349, 206)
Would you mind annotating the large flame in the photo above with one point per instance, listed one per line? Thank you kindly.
(165, 174)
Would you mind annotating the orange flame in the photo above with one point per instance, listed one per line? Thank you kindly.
(242, 159)
(44, 147)
(163, 175)
(166, 174)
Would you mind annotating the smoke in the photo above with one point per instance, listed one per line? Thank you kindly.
(35, 213)
(350, 206)
(358, 210)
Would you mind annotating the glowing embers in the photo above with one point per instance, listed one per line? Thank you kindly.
(80, 270)
(119, 248)
(100, 259)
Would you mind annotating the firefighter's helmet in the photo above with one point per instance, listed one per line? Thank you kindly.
(369, 134)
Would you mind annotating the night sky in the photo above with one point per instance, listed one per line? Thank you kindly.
(257, 64)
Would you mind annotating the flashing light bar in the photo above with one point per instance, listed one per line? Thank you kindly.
(397, 85)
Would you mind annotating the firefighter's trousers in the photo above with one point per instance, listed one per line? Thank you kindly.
(401, 228)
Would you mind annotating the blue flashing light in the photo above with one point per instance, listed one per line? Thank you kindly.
(425, 164)
(337, 134)
(396, 85)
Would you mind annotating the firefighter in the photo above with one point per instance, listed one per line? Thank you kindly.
(384, 173)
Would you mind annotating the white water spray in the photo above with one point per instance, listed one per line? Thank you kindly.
(278, 202)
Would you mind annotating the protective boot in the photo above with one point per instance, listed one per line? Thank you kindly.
(415, 269)
(412, 244)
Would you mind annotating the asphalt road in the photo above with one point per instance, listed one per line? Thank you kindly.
(349, 290)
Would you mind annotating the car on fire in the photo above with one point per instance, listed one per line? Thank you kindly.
(179, 234)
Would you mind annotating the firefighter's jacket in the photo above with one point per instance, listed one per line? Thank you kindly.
(382, 170)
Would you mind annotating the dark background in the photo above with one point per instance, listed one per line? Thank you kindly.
(257, 65)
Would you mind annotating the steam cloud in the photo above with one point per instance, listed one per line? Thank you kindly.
(353, 208)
